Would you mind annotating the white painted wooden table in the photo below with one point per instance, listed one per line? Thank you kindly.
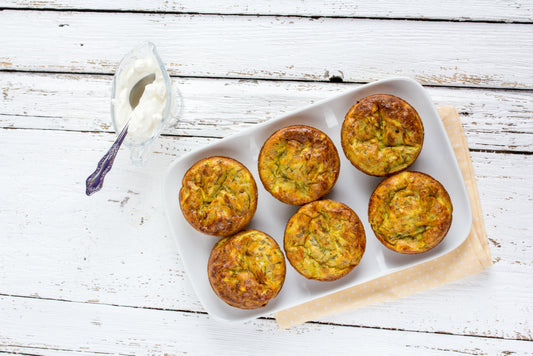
(101, 274)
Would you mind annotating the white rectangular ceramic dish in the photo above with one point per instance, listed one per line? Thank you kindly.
(352, 188)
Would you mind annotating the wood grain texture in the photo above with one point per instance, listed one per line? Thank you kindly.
(493, 119)
(102, 329)
(291, 48)
(115, 247)
(478, 10)
(102, 275)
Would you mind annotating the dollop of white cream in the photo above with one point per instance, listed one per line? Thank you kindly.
(148, 114)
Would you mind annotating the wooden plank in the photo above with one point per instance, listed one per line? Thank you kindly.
(49, 327)
(357, 50)
(478, 10)
(493, 119)
(115, 247)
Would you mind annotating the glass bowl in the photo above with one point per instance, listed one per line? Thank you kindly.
(138, 146)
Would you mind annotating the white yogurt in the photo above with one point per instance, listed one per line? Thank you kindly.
(148, 114)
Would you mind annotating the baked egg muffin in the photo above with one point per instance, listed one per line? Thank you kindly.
(298, 164)
(324, 240)
(410, 212)
(218, 196)
(246, 270)
(382, 134)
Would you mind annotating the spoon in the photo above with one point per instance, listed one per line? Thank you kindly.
(96, 180)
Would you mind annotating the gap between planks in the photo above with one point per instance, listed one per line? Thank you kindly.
(503, 152)
(185, 311)
(293, 15)
(332, 79)
(44, 349)
(387, 8)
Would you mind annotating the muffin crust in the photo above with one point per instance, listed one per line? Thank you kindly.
(246, 270)
(218, 196)
(410, 212)
(382, 134)
(298, 164)
(324, 240)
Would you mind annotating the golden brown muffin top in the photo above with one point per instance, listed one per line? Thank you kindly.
(410, 212)
(298, 164)
(246, 270)
(382, 134)
(324, 240)
(218, 196)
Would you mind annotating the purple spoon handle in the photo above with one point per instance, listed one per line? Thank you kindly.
(96, 180)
